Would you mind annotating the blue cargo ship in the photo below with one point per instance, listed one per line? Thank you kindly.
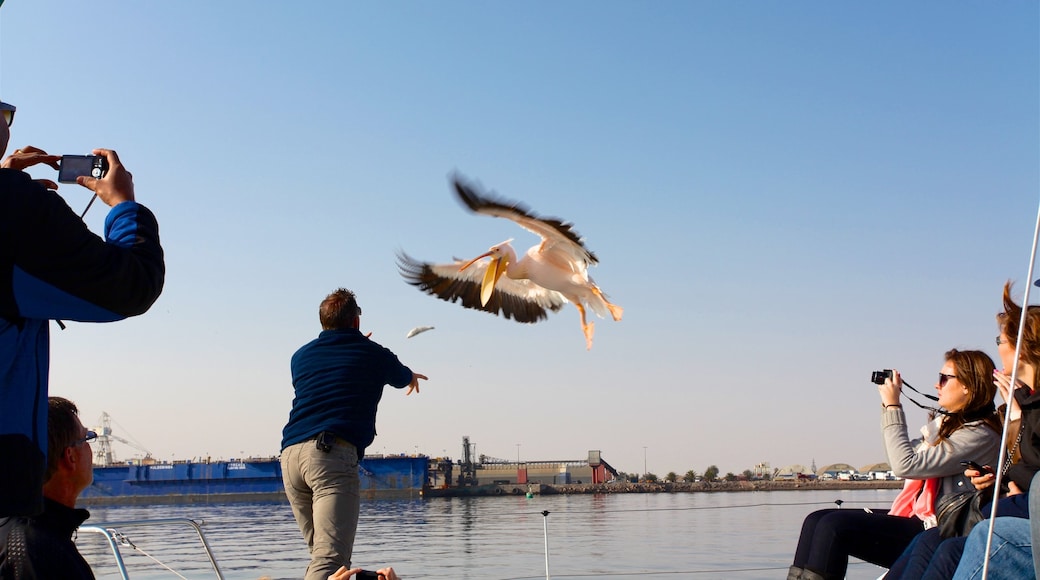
(245, 480)
(147, 481)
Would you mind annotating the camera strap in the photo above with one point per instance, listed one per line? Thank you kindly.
(926, 408)
(932, 397)
(89, 203)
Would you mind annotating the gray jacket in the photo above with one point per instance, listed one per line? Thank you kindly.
(974, 441)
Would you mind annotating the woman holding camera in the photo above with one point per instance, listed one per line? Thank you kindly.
(967, 429)
(933, 557)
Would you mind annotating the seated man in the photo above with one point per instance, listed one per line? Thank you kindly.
(41, 546)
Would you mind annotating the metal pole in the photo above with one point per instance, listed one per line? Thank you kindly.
(644, 463)
(1014, 383)
(545, 528)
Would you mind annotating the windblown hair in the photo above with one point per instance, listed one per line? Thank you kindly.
(974, 370)
(1009, 320)
(63, 431)
(338, 310)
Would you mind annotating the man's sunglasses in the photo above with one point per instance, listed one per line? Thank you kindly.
(90, 436)
(8, 111)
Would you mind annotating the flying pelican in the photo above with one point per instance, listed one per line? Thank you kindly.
(547, 276)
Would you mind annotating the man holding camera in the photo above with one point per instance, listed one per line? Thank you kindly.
(339, 379)
(52, 267)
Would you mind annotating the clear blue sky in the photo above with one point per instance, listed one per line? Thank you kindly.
(783, 196)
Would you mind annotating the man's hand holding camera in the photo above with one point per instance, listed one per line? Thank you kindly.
(382, 574)
(29, 156)
(114, 187)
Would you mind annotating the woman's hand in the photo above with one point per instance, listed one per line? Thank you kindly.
(1003, 383)
(980, 480)
(891, 390)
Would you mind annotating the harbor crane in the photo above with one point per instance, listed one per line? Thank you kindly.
(468, 469)
(104, 455)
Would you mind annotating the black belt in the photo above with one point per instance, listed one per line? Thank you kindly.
(325, 440)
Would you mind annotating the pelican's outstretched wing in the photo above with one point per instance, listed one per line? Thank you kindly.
(557, 235)
(517, 299)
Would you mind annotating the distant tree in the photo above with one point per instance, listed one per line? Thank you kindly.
(711, 473)
(730, 476)
(691, 476)
(748, 475)
(671, 477)
(650, 477)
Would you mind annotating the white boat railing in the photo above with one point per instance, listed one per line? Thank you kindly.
(116, 539)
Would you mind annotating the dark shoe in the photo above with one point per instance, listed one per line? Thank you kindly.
(810, 575)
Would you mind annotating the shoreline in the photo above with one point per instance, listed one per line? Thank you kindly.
(505, 490)
(715, 486)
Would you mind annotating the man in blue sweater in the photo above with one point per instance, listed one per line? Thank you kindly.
(52, 267)
(339, 379)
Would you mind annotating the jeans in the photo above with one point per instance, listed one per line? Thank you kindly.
(914, 560)
(1011, 554)
(944, 561)
(323, 491)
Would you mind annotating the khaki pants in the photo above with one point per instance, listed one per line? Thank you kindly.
(323, 490)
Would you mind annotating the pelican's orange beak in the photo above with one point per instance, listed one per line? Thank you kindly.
(473, 261)
(494, 271)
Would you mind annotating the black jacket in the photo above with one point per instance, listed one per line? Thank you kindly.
(1022, 472)
(41, 547)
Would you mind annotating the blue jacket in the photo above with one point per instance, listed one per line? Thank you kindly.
(52, 267)
(339, 379)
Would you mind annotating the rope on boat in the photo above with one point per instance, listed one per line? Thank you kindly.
(125, 540)
(838, 502)
(545, 527)
(674, 573)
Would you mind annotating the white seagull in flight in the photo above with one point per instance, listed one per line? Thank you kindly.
(418, 330)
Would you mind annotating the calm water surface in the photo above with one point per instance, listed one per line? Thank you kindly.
(741, 535)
